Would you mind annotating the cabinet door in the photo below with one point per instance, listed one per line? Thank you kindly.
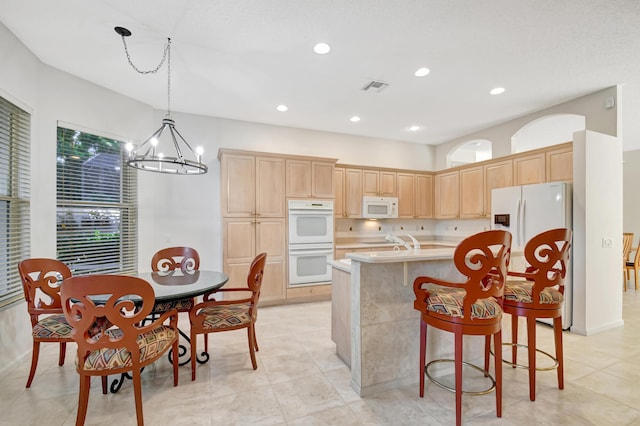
(447, 195)
(560, 164)
(270, 238)
(270, 183)
(238, 192)
(471, 192)
(353, 193)
(298, 178)
(370, 184)
(322, 179)
(424, 196)
(496, 175)
(406, 195)
(338, 192)
(529, 169)
(239, 240)
(387, 184)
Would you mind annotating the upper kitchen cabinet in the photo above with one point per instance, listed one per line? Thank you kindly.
(310, 178)
(447, 190)
(415, 195)
(338, 192)
(352, 193)
(560, 163)
(497, 174)
(529, 169)
(380, 183)
(252, 185)
(472, 192)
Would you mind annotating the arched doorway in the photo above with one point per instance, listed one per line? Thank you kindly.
(470, 152)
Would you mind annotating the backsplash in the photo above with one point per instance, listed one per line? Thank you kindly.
(451, 230)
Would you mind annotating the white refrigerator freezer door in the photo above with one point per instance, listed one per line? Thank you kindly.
(507, 201)
(544, 208)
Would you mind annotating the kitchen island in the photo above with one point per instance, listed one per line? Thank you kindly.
(383, 338)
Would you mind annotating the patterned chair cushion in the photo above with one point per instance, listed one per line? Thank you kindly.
(182, 305)
(451, 302)
(52, 327)
(522, 291)
(150, 344)
(224, 316)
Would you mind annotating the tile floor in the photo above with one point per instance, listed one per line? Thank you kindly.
(300, 381)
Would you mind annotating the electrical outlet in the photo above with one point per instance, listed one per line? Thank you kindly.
(607, 242)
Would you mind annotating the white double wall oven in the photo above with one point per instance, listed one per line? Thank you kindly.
(310, 241)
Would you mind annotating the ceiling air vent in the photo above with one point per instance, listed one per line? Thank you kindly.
(375, 86)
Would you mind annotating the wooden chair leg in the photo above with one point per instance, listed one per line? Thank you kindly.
(531, 342)
(255, 341)
(423, 354)
(104, 384)
(34, 362)
(636, 277)
(497, 342)
(83, 399)
(194, 352)
(137, 395)
(63, 352)
(252, 351)
(458, 377)
(206, 343)
(487, 353)
(176, 361)
(514, 340)
(557, 331)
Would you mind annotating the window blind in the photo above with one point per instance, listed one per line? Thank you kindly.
(96, 205)
(15, 136)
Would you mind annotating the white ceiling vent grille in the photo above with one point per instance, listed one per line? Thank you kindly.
(375, 86)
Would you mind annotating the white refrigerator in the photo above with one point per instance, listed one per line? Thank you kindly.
(528, 210)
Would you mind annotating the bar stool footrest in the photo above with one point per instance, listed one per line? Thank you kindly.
(453, 389)
(526, 367)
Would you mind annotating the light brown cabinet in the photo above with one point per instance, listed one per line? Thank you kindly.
(472, 192)
(415, 195)
(447, 190)
(247, 237)
(309, 179)
(529, 169)
(497, 174)
(352, 193)
(252, 186)
(560, 164)
(338, 192)
(381, 183)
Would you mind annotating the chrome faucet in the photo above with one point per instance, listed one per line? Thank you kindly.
(397, 240)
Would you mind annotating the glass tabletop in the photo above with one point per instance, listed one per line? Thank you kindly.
(177, 285)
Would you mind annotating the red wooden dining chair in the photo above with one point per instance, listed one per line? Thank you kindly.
(184, 259)
(125, 301)
(41, 280)
(540, 295)
(212, 316)
(470, 307)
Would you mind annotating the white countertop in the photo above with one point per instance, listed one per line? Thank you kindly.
(391, 256)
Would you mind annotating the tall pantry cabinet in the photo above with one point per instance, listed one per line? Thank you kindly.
(253, 216)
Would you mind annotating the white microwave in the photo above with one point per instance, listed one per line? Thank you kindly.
(379, 207)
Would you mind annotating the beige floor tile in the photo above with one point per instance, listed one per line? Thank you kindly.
(307, 395)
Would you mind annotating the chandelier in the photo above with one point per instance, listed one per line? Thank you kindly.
(170, 154)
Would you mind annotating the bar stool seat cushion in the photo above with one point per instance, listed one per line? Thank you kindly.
(522, 292)
(447, 302)
(150, 344)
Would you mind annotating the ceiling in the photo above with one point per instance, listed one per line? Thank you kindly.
(239, 59)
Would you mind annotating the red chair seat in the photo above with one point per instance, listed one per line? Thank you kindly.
(224, 316)
(52, 327)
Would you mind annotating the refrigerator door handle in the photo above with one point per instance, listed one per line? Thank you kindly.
(522, 230)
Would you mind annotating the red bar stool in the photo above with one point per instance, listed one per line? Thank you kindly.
(472, 307)
(540, 295)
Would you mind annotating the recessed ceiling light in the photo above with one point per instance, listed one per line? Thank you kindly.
(321, 48)
(422, 72)
(414, 128)
(282, 108)
(497, 90)
(354, 119)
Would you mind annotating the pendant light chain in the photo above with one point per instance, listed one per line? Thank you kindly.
(166, 55)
